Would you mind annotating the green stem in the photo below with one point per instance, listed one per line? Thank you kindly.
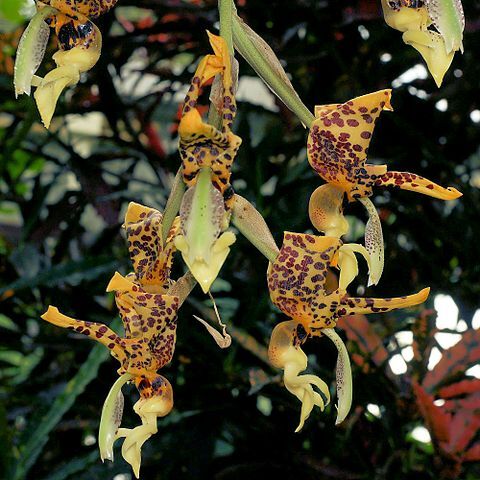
(253, 227)
(173, 204)
(225, 12)
(254, 56)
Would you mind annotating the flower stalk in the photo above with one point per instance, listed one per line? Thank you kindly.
(263, 60)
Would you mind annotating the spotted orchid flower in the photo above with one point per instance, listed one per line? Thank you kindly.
(79, 41)
(148, 302)
(297, 285)
(433, 27)
(207, 155)
(337, 149)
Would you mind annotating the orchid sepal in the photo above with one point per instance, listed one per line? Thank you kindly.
(31, 50)
(343, 375)
(374, 242)
(203, 245)
(111, 418)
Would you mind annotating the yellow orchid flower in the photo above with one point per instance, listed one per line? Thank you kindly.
(207, 155)
(285, 353)
(433, 27)
(80, 44)
(337, 149)
(296, 281)
(338, 144)
(201, 144)
(148, 302)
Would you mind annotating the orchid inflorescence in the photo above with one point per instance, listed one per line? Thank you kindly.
(300, 276)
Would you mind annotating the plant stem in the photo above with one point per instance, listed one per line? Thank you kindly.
(173, 204)
(253, 227)
(249, 51)
(225, 12)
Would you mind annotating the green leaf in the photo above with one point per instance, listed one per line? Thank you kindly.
(8, 323)
(76, 465)
(15, 11)
(69, 272)
(38, 435)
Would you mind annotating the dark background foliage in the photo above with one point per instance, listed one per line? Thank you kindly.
(64, 191)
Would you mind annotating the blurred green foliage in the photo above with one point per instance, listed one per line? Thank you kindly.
(64, 191)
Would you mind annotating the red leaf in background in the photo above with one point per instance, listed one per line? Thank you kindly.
(359, 330)
(361, 362)
(460, 388)
(154, 139)
(473, 455)
(463, 428)
(423, 330)
(455, 360)
(472, 402)
(436, 419)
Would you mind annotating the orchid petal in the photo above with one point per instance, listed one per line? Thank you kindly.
(70, 64)
(416, 183)
(149, 409)
(339, 139)
(31, 50)
(326, 211)
(151, 257)
(418, 25)
(374, 242)
(284, 354)
(203, 245)
(348, 264)
(343, 374)
(111, 418)
(96, 331)
(356, 305)
(449, 20)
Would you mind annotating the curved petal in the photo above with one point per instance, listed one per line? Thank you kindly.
(374, 242)
(339, 138)
(285, 353)
(201, 144)
(416, 183)
(348, 264)
(352, 305)
(431, 47)
(149, 409)
(299, 272)
(449, 20)
(203, 217)
(343, 374)
(96, 331)
(151, 259)
(70, 64)
(31, 50)
(111, 418)
(326, 211)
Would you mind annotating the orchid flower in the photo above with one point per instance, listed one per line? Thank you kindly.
(207, 155)
(148, 301)
(337, 148)
(296, 281)
(433, 27)
(80, 43)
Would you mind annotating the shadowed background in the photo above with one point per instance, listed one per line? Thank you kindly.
(113, 140)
